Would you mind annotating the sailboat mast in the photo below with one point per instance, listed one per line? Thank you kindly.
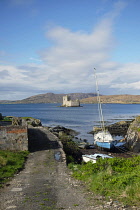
(99, 103)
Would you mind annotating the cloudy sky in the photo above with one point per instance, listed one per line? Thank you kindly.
(54, 45)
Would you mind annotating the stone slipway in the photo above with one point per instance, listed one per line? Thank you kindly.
(45, 182)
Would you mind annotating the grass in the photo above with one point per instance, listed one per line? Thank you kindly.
(27, 118)
(118, 178)
(11, 163)
(6, 119)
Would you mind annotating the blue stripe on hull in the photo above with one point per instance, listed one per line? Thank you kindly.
(107, 145)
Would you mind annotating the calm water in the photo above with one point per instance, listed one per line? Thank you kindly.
(81, 119)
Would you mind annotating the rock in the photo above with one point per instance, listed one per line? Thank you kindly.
(61, 133)
(32, 122)
(119, 128)
(17, 121)
(96, 129)
(133, 136)
(60, 130)
(1, 116)
(26, 121)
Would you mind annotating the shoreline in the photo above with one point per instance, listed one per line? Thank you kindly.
(73, 106)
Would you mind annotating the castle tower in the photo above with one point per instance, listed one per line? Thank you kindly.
(66, 99)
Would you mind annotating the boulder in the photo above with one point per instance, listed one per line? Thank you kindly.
(32, 122)
(119, 128)
(133, 136)
(17, 121)
(26, 121)
(60, 130)
(1, 116)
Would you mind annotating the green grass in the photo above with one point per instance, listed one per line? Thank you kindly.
(6, 119)
(26, 118)
(118, 178)
(11, 163)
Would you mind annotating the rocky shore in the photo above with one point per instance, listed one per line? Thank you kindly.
(128, 129)
(120, 128)
(123, 128)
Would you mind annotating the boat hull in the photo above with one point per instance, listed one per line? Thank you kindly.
(86, 159)
(104, 139)
(94, 158)
(106, 145)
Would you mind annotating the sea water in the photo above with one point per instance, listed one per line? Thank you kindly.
(81, 119)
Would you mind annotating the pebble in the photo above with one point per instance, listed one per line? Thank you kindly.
(11, 207)
(16, 189)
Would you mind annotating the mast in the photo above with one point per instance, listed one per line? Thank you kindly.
(99, 103)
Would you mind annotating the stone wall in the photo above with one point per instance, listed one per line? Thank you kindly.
(75, 103)
(13, 138)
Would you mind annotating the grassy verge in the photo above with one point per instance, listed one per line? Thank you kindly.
(11, 163)
(118, 178)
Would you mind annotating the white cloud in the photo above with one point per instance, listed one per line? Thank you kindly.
(74, 54)
(128, 77)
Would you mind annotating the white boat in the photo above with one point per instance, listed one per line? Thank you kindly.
(102, 138)
(94, 158)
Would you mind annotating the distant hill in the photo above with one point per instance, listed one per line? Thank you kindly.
(122, 99)
(83, 97)
(6, 102)
(49, 98)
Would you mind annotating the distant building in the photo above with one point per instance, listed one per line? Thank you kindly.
(67, 102)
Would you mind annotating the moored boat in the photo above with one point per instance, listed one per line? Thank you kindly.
(103, 138)
(94, 158)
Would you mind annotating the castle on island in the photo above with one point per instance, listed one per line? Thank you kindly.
(67, 102)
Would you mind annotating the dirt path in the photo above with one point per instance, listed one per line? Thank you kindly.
(45, 183)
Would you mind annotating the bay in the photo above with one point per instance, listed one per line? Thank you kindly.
(81, 119)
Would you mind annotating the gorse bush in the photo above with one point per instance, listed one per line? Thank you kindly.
(10, 163)
(118, 178)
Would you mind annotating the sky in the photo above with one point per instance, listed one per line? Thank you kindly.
(54, 46)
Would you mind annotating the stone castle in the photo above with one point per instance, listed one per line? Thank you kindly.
(67, 102)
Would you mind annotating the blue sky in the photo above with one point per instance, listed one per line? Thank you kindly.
(53, 46)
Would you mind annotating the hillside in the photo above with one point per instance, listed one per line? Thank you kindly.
(83, 97)
(123, 99)
(49, 98)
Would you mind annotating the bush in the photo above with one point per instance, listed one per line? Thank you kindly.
(73, 153)
(118, 178)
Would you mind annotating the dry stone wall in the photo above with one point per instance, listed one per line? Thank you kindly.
(14, 138)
